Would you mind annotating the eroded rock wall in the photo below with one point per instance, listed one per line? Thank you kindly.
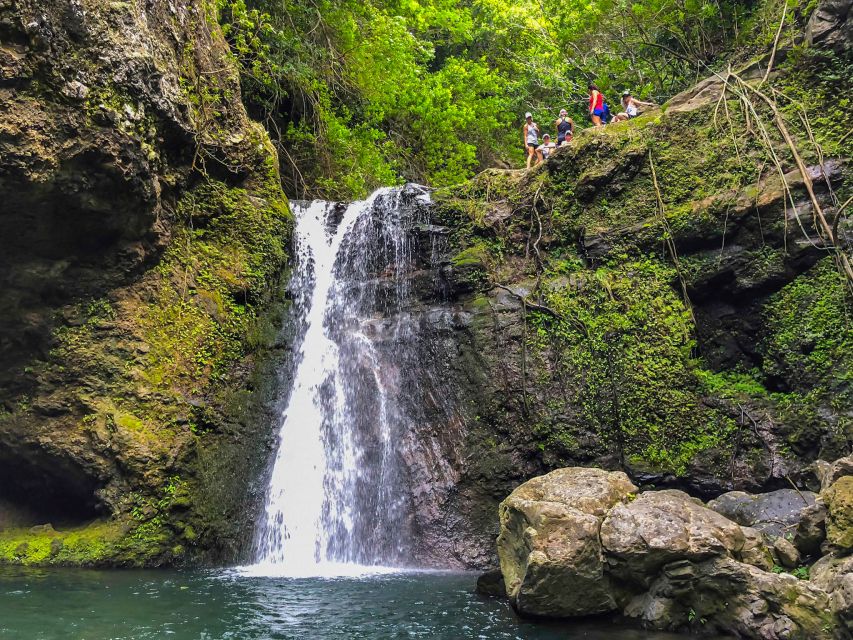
(144, 234)
(655, 298)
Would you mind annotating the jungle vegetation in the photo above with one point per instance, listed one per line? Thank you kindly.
(363, 93)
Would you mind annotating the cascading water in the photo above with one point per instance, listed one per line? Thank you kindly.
(336, 502)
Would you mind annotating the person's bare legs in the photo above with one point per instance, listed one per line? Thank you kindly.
(531, 152)
(596, 120)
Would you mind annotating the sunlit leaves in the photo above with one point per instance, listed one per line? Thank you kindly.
(360, 93)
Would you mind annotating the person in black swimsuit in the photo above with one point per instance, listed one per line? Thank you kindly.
(565, 127)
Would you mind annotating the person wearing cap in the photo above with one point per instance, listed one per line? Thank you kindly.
(531, 137)
(565, 127)
(546, 148)
(630, 106)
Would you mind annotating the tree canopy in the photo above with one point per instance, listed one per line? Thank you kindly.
(363, 93)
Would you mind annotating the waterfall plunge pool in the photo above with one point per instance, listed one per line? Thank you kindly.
(337, 502)
(79, 604)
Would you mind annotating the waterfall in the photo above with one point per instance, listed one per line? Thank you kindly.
(337, 502)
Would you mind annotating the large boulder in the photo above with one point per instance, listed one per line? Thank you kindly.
(734, 598)
(748, 602)
(549, 547)
(578, 542)
(662, 527)
(839, 519)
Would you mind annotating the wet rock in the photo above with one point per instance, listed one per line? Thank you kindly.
(723, 593)
(777, 513)
(491, 583)
(734, 598)
(661, 527)
(549, 547)
(834, 575)
(751, 603)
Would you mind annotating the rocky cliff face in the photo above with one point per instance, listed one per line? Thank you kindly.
(144, 231)
(658, 298)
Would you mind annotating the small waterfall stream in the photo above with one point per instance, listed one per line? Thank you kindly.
(337, 502)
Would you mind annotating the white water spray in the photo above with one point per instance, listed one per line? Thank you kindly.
(334, 503)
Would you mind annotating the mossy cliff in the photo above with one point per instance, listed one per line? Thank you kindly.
(145, 236)
(654, 299)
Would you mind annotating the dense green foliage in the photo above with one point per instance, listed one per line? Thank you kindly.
(624, 340)
(362, 94)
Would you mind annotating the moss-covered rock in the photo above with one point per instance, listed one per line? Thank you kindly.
(839, 519)
(148, 236)
(678, 323)
(549, 546)
(656, 298)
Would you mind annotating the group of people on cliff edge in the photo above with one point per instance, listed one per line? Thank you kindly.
(599, 114)
(537, 152)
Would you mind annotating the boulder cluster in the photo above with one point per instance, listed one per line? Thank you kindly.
(581, 541)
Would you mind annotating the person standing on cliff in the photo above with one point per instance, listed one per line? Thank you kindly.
(530, 136)
(596, 105)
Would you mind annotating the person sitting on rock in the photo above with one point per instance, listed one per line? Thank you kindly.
(546, 148)
(530, 136)
(565, 127)
(631, 107)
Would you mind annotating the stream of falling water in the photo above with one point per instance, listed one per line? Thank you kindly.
(336, 503)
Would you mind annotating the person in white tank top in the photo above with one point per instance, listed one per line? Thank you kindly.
(631, 107)
(530, 136)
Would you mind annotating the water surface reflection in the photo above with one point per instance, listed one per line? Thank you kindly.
(208, 605)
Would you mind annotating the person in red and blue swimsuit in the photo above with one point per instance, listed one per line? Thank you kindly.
(596, 105)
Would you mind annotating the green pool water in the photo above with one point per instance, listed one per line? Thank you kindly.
(208, 605)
